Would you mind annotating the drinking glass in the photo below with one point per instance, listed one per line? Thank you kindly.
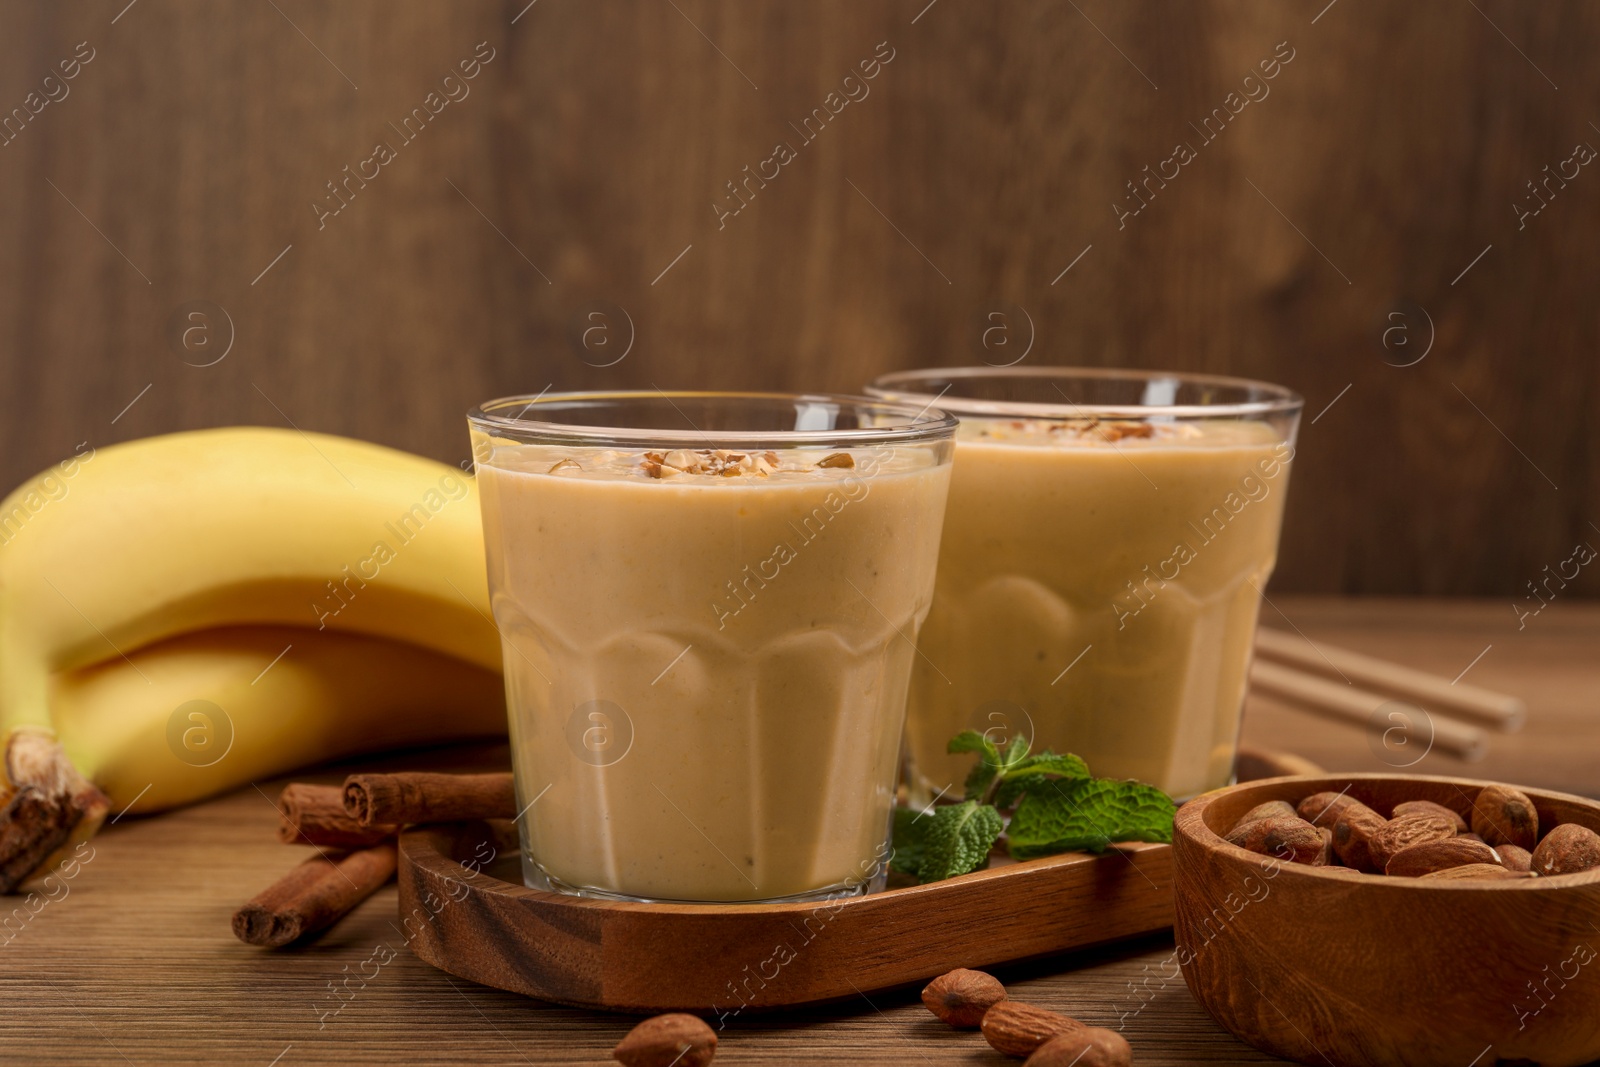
(708, 604)
(1108, 536)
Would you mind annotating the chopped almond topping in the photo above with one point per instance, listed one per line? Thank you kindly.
(837, 459)
(1085, 429)
(1116, 431)
(565, 465)
(715, 461)
(683, 460)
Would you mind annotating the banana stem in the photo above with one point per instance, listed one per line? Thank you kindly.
(50, 804)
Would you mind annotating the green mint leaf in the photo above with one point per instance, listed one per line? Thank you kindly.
(958, 840)
(988, 765)
(1015, 787)
(1033, 772)
(1015, 752)
(910, 837)
(1047, 762)
(979, 779)
(973, 741)
(1073, 814)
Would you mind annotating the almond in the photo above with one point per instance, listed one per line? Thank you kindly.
(683, 459)
(1513, 858)
(962, 997)
(1017, 1029)
(1090, 1047)
(1475, 872)
(1353, 828)
(1406, 831)
(1425, 857)
(1286, 837)
(1567, 849)
(1428, 807)
(1271, 809)
(674, 1040)
(1323, 809)
(1505, 816)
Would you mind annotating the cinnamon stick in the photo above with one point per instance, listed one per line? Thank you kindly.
(424, 797)
(315, 815)
(313, 896)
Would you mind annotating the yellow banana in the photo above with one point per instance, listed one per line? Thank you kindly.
(203, 713)
(145, 540)
(115, 549)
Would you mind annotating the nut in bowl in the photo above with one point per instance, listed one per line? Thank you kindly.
(1320, 963)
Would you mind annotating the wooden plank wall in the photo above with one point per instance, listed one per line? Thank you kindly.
(984, 169)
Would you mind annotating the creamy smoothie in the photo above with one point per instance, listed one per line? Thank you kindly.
(706, 656)
(1098, 587)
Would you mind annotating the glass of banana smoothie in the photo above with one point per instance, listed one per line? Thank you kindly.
(708, 604)
(1108, 536)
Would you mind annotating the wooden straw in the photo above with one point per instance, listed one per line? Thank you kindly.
(1433, 692)
(1349, 704)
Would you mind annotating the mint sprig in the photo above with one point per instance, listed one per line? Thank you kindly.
(983, 774)
(1088, 814)
(1054, 803)
(944, 842)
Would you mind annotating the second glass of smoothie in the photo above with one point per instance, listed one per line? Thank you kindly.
(707, 604)
(1104, 551)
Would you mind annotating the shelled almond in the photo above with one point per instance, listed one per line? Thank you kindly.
(1512, 857)
(1399, 834)
(962, 997)
(1428, 807)
(1567, 849)
(1271, 809)
(1322, 809)
(1505, 816)
(1353, 831)
(1288, 836)
(673, 1040)
(965, 999)
(1426, 857)
(1090, 1047)
(1018, 1029)
(1494, 835)
(1477, 871)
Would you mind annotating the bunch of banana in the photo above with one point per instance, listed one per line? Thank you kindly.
(185, 614)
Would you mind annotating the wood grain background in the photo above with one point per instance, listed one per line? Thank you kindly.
(1378, 176)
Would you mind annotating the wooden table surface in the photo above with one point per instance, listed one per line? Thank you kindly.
(136, 964)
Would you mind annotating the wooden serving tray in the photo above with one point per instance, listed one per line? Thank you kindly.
(722, 959)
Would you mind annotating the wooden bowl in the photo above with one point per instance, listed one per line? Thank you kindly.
(1330, 968)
